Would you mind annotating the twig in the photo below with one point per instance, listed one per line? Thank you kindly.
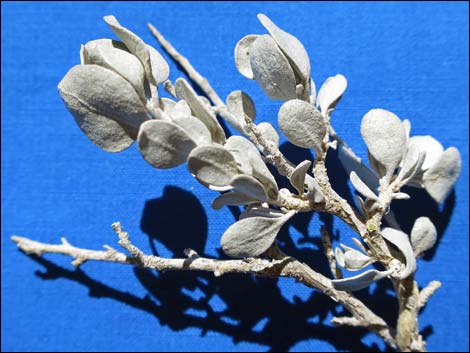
(329, 253)
(285, 267)
(427, 292)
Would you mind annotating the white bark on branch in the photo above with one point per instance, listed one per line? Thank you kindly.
(282, 266)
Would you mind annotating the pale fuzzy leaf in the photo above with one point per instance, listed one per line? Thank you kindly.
(359, 244)
(430, 146)
(249, 186)
(407, 126)
(385, 137)
(194, 128)
(423, 235)
(115, 56)
(361, 187)
(402, 242)
(359, 281)
(354, 260)
(234, 198)
(351, 163)
(339, 256)
(160, 68)
(105, 106)
(362, 205)
(272, 70)
(181, 108)
(313, 92)
(241, 153)
(314, 191)
(199, 109)
(252, 236)
(164, 144)
(441, 177)
(167, 104)
(260, 211)
(245, 152)
(290, 46)
(240, 104)
(331, 92)
(135, 45)
(409, 163)
(213, 165)
(302, 124)
(297, 178)
(376, 166)
(401, 196)
(269, 133)
(242, 55)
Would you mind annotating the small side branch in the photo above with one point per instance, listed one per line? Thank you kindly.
(427, 292)
(329, 253)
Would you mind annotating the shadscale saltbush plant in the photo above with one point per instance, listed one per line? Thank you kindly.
(113, 97)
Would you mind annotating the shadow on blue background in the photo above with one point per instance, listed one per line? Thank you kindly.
(411, 58)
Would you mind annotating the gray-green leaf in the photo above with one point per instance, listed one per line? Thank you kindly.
(269, 133)
(135, 45)
(402, 242)
(441, 177)
(351, 259)
(423, 235)
(331, 92)
(164, 144)
(359, 281)
(290, 46)
(361, 187)
(200, 109)
(232, 199)
(297, 178)
(249, 186)
(242, 55)
(252, 236)
(271, 69)
(240, 104)
(302, 124)
(194, 128)
(385, 137)
(105, 106)
(115, 56)
(213, 165)
(430, 146)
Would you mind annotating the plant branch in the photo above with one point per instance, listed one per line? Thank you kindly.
(284, 266)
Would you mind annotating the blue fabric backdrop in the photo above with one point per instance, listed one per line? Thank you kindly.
(410, 58)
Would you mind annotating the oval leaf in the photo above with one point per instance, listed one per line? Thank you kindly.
(302, 124)
(105, 106)
(135, 45)
(290, 46)
(410, 162)
(354, 260)
(181, 108)
(314, 191)
(269, 133)
(115, 56)
(402, 242)
(352, 163)
(359, 281)
(246, 153)
(232, 199)
(331, 92)
(199, 109)
(385, 137)
(212, 165)
(361, 187)
(441, 177)
(252, 236)
(240, 104)
(423, 235)
(242, 55)
(297, 178)
(164, 144)
(272, 70)
(195, 129)
(430, 146)
(160, 68)
(249, 186)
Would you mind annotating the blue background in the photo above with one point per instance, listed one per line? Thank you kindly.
(410, 58)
